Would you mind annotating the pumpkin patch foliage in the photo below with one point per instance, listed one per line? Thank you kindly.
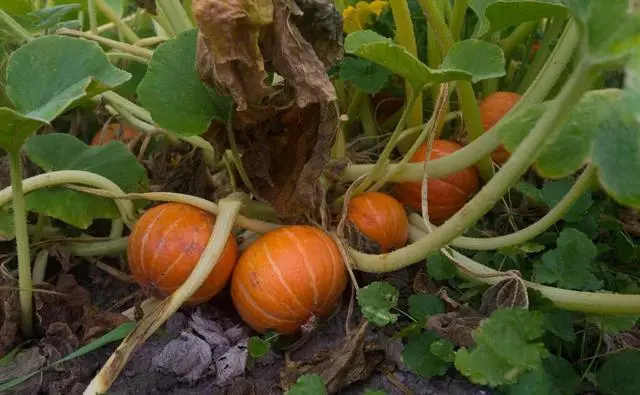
(320, 196)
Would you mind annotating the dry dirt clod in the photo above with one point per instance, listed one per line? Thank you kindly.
(10, 329)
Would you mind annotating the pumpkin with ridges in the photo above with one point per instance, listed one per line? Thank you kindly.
(287, 277)
(492, 109)
(381, 218)
(117, 132)
(445, 196)
(166, 244)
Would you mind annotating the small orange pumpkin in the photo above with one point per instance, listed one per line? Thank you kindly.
(286, 277)
(117, 132)
(445, 196)
(381, 218)
(492, 109)
(166, 244)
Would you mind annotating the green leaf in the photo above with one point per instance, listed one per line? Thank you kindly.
(554, 191)
(57, 151)
(367, 76)
(560, 323)
(7, 230)
(422, 306)
(16, 7)
(529, 191)
(15, 128)
(612, 324)
(308, 384)
(480, 59)
(457, 65)
(440, 268)
(573, 146)
(173, 92)
(258, 347)
(51, 73)
(419, 357)
(619, 374)
(506, 347)
(376, 299)
(611, 28)
(570, 265)
(495, 15)
(557, 378)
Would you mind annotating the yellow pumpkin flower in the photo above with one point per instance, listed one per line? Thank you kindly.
(356, 18)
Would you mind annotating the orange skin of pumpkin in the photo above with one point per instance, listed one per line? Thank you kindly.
(286, 277)
(492, 109)
(445, 196)
(381, 218)
(166, 244)
(117, 132)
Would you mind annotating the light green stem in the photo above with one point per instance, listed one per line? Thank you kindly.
(62, 177)
(508, 44)
(366, 118)
(96, 248)
(406, 38)
(115, 56)
(552, 217)
(110, 26)
(545, 129)
(489, 141)
(122, 27)
(553, 30)
(586, 302)
(93, 17)
(124, 47)
(16, 193)
(176, 15)
(388, 148)
(18, 31)
(40, 266)
(459, 12)
(117, 226)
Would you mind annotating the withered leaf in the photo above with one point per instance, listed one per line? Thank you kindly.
(456, 326)
(353, 361)
(228, 51)
(237, 41)
(25, 362)
(232, 363)
(188, 357)
(623, 341)
(96, 323)
(507, 293)
(67, 306)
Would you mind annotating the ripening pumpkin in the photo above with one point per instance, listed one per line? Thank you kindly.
(286, 277)
(117, 132)
(381, 218)
(492, 109)
(445, 196)
(166, 244)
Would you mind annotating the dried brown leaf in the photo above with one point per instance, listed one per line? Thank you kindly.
(187, 357)
(321, 24)
(456, 326)
(228, 52)
(96, 323)
(66, 306)
(507, 293)
(25, 362)
(355, 360)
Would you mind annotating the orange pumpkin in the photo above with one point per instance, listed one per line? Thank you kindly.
(166, 244)
(117, 132)
(286, 277)
(381, 218)
(445, 196)
(492, 109)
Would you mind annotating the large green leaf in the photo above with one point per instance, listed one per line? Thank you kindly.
(604, 129)
(16, 7)
(174, 94)
(611, 27)
(468, 60)
(47, 76)
(15, 127)
(495, 15)
(59, 151)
